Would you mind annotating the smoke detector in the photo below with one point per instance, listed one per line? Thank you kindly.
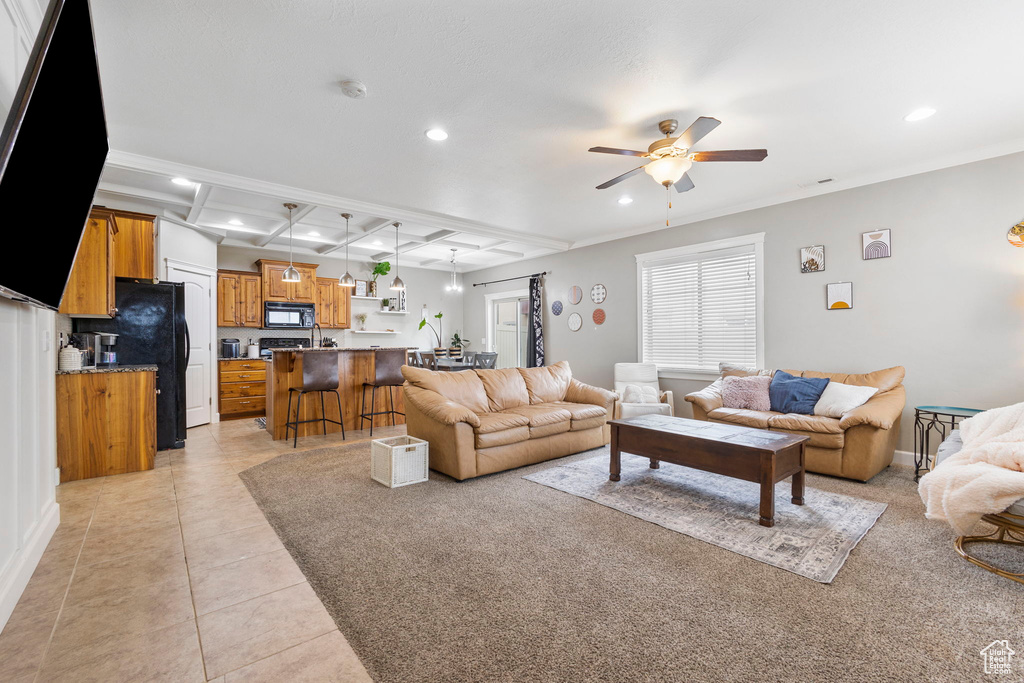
(354, 89)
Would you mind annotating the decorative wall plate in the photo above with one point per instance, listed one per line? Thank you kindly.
(575, 322)
(556, 308)
(598, 316)
(575, 295)
(1015, 235)
(598, 293)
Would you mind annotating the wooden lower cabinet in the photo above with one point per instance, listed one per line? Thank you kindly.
(243, 388)
(106, 423)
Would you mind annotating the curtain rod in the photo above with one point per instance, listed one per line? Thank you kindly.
(484, 284)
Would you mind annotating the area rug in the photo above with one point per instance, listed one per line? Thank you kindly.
(811, 540)
(500, 579)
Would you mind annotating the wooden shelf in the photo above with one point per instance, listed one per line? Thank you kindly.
(374, 331)
(366, 298)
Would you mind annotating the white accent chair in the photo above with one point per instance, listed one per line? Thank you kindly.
(642, 375)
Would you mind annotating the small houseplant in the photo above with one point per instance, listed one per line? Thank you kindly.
(361, 318)
(439, 351)
(382, 268)
(458, 344)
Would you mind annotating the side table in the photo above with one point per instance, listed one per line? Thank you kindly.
(940, 419)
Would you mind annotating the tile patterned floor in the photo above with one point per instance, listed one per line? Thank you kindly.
(175, 575)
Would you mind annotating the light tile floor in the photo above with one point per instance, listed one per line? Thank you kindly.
(174, 574)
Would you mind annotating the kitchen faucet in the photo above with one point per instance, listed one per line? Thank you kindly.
(312, 331)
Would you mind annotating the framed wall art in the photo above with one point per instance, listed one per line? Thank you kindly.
(575, 295)
(812, 259)
(876, 244)
(598, 293)
(575, 322)
(556, 308)
(362, 287)
(839, 296)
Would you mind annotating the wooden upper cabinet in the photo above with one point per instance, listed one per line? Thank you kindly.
(134, 250)
(333, 303)
(276, 289)
(342, 306)
(89, 292)
(239, 299)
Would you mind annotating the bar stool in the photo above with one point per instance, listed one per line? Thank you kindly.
(387, 367)
(319, 374)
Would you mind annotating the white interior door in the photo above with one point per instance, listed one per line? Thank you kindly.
(507, 328)
(200, 284)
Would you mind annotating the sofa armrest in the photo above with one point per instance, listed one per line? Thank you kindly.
(881, 410)
(438, 408)
(709, 398)
(578, 392)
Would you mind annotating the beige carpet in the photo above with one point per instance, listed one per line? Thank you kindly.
(499, 579)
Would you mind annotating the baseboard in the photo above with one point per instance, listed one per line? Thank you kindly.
(13, 584)
(903, 458)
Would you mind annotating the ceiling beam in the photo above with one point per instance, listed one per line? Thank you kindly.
(303, 211)
(409, 246)
(140, 193)
(202, 194)
(375, 226)
(171, 218)
(505, 252)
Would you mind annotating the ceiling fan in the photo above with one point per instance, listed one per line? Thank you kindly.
(671, 158)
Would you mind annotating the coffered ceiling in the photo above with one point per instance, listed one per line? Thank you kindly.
(250, 91)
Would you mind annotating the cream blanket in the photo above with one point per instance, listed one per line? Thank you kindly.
(986, 477)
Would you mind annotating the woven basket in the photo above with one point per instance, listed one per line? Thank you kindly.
(399, 461)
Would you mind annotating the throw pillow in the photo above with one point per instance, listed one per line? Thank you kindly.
(749, 393)
(634, 393)
(839, 399)
(791, 394)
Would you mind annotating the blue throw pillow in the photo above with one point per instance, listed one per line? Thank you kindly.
(790, 394)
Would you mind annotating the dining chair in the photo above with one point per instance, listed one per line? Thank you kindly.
(429, 360)
(413, 358)
(485, 359)
(469, 356)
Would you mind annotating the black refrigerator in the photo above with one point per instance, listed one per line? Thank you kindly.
(151, 328)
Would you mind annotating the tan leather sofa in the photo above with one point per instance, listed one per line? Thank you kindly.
(484, 421)
(857, 446)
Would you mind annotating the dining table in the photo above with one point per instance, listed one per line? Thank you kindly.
(453, 364)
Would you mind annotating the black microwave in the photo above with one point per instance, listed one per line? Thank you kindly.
(277, 314)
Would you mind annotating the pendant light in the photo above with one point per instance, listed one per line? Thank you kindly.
(454, 286)
(346, 280)
(397, 283)
(290, 274)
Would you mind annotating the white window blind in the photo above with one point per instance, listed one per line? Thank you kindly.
(700, 308)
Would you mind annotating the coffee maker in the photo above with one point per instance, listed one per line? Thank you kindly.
(107, 355)
(89, 344)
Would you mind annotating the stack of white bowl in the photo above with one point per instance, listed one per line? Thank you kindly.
(69, 358)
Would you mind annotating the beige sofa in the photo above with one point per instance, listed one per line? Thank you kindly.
(857, 446)
(484, 421)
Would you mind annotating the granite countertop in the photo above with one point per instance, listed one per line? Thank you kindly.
(115, 368)
(242, 358)
(343, 348)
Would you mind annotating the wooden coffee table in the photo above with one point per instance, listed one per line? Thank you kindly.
(757, 455)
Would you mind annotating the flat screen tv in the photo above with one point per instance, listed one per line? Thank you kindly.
(52, 151)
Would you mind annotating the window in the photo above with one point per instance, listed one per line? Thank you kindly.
(701, 305)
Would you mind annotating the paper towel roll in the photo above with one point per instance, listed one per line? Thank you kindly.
(254, 351)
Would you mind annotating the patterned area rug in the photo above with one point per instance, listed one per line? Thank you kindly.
(812, 540)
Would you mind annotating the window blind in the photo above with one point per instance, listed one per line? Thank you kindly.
(700, 309)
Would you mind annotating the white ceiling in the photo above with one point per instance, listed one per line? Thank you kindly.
(524, 88)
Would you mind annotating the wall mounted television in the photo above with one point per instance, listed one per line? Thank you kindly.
(52, 151)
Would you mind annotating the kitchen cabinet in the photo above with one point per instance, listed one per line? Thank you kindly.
(106, 423)
(134, 245)
(89, 292)
(276, 289)
(243, 388)
(333, 304)
(239, 299)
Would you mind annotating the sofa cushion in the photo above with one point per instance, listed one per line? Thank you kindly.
(550, 430)
(588, 423)
(740, 416)
(505, 388)
(547, 384)
(503, 437)
(883, 380)
(817, 439)
(806, 423)
(497, 422)
(746, 392)
(791, 394)
(464, 388)
(634, 393)
(733, 370)
(542, 414)
(584, 415)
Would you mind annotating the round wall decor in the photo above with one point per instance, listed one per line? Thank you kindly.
(598, 316)
(575, 295)
(598, 293)
(575, 322)
(1016, 235)
(556, 308)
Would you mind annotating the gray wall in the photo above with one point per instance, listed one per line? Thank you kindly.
(948, 305)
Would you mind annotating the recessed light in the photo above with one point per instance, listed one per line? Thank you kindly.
(437, 134)
(235, 221)
(625, 200)
(314, 234)
(182, 181)
(919, 114)
(377, 243)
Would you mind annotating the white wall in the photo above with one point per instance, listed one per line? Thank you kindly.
(28, 510)
(948, 304)
(179, 243)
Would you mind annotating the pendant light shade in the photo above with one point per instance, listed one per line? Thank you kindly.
(290, 274)
(454, 285)
(346, 280)
(397, 284)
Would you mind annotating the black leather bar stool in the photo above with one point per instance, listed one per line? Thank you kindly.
(319, 374)
(387, 364)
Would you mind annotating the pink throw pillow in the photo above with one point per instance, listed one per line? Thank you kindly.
(750, 393)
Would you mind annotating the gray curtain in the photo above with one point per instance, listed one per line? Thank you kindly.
(535, 338)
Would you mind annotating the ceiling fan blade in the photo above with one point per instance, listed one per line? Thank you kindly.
(684, 184)
(619, 179)
(615, 150)
(697, 130)
(731, 155)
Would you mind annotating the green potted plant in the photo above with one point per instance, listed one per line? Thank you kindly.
(361, 318)
(439, 351)
(385, 304)
(382, 268)
(457, 345)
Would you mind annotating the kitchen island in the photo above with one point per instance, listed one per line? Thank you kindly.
(355, 366)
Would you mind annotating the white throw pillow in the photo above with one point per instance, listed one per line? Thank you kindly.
(839, 399)
(634, 393)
